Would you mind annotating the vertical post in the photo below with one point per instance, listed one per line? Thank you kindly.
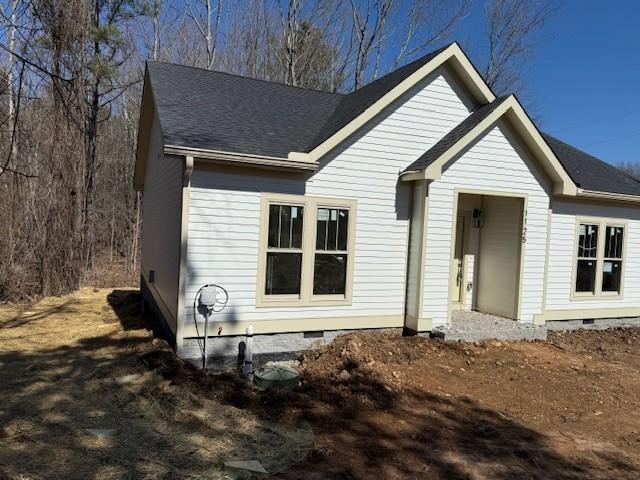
(248, 354)
(204, 341)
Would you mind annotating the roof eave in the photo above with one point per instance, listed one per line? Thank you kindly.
(598, 195)
(242, 159)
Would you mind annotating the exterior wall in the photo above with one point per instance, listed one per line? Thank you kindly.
(224, 213)
(162, 203)
(562, 256)
(496, 163)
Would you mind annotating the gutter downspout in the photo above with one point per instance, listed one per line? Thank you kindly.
(184, 233)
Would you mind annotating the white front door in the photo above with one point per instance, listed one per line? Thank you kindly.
(457, 262)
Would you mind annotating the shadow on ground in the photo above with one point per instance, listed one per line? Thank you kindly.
(82, 363)
(365, 429)
(64, 372)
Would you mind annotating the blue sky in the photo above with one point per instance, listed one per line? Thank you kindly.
(584, 81)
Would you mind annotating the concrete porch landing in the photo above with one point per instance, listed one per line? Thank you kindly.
(469, 326)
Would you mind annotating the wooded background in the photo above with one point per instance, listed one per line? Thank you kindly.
(71, 74)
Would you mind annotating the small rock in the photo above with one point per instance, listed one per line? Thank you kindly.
(248, 465)
(101, 432)
(8, 430)
(395, 374)
(127, 378)
(344, 375)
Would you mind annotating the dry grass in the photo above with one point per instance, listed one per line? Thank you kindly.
(72, 363)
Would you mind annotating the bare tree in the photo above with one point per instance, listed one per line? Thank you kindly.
(631, 168)
(207, 14)
(369, 20)
(429, 22)
(513, 27)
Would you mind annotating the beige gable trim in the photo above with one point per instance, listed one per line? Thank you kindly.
(513, 111)
(453, 56)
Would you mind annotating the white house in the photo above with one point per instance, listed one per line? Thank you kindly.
(391, 207)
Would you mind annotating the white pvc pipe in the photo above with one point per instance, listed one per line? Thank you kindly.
(248, 353)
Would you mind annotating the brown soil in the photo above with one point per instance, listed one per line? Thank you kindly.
(380, 406)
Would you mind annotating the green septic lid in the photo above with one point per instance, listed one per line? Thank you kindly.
(279, 376)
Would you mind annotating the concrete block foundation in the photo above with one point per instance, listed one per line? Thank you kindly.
(228, 352)
(593, 324)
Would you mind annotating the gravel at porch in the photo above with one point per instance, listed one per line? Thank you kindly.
(471, 326)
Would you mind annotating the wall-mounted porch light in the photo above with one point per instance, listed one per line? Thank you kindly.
(478, 218)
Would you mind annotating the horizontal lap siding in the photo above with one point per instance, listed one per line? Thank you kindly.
(225, 209)
(162, 203)
(494, 163)
(562, 251)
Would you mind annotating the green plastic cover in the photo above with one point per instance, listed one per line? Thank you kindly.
(279, 376)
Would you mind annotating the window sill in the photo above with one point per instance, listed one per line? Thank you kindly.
(600, 296)
(333, 301)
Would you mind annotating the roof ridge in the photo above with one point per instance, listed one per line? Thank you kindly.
(244, 77)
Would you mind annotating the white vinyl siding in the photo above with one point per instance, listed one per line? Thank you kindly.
(162, 207)
(495, 163)
(562, 256)
(223, 238)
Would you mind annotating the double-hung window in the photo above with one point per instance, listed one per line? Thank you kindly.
(284, 249)
(600, 250)
(306, 251)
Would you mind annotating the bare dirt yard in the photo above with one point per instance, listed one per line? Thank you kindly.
(370, 405)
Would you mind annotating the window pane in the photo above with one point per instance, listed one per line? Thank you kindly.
(296, 226)
(611, 274)
(285, 226)
(274, 225)
(586, 276)
(613, 242)
(321, 231)
(330, 273)
(283, 273)
(332, 229)
(343, 229)
(588, 241)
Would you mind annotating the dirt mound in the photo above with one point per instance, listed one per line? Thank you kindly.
(383, 357)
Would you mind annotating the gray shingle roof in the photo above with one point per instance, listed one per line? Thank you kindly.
(451, 138)
(218, 111)
(591, 173)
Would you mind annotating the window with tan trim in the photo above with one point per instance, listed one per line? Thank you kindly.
(306, 250)
(598, 268)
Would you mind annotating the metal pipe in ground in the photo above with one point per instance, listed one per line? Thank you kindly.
(248, 354)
